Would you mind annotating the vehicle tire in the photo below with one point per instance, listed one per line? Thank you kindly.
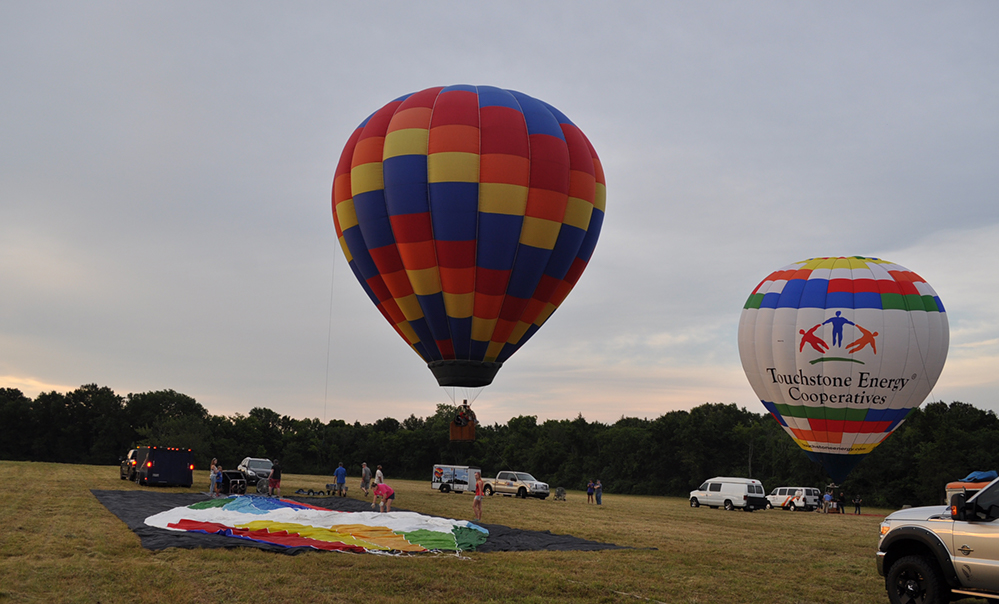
(915, 580)
(488, 490)
(694, 503)
(522, 493)
(445, 488)
(769, 506)
(729, 506)
(792, 507)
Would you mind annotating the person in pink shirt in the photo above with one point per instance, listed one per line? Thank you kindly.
(386, 494)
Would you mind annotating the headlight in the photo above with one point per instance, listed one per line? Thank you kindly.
(885, 527)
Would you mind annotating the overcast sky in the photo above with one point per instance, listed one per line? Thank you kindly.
(166, 168)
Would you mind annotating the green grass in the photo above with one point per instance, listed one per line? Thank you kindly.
(58, 544)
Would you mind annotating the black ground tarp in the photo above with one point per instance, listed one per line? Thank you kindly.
(133, 507)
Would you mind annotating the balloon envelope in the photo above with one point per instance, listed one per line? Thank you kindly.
(839, 350)
(467, 213)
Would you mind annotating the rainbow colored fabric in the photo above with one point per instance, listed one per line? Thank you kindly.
(468, 213)
(291, 524)
(839, 350)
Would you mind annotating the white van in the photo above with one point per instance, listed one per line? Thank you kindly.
(794, 498)
(453, 479)
(730, 493)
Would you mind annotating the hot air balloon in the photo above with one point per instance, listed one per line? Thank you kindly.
(839, 350)
(467, 213)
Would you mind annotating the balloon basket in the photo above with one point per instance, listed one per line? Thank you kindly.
(464, 433)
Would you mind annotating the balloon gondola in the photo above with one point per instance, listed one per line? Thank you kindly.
(467, 214)
(839, 350)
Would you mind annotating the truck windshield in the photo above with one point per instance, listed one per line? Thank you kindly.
(525, 477)
(987, 499)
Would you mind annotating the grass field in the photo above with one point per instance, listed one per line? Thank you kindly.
(58, 544)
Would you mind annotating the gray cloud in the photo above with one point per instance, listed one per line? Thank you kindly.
(166, 173)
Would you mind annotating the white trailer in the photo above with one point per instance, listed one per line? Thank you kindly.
(453, 479)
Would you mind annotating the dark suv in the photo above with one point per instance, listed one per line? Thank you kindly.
(128, 465)
(256, 470)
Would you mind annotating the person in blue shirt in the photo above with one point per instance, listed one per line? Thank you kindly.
(341, 480)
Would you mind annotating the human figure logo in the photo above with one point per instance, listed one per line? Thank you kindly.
(866, 338)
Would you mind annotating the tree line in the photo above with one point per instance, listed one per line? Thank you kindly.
(669, 455)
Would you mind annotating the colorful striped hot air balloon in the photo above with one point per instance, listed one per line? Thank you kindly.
(839, 350)
(467, 213)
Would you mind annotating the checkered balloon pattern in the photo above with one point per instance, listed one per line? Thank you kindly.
(467, 214)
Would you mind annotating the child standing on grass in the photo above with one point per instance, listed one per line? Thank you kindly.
(477, 502)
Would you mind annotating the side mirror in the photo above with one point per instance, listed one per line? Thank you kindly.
(958, 506)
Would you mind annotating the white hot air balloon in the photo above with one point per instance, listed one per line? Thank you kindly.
(839, 350)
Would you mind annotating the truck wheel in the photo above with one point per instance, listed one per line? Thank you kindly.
(488, 490)
(792, 507)
(915, 580)
(770, 506)
(694, 503)
(729, 506)
(522, 493)
(445, 488)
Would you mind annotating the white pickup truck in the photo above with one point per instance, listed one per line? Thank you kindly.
(521, 484)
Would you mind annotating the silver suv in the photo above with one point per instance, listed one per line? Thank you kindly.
(930, 555)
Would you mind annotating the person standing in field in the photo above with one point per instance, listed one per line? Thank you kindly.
(365, 478)
(213, 470)
(477, 501)
(379, 478)
(856, 504)
(387, 496)
(826, 502)
(589, 492)
(341, 478)
(274, 480)
(598, 491)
